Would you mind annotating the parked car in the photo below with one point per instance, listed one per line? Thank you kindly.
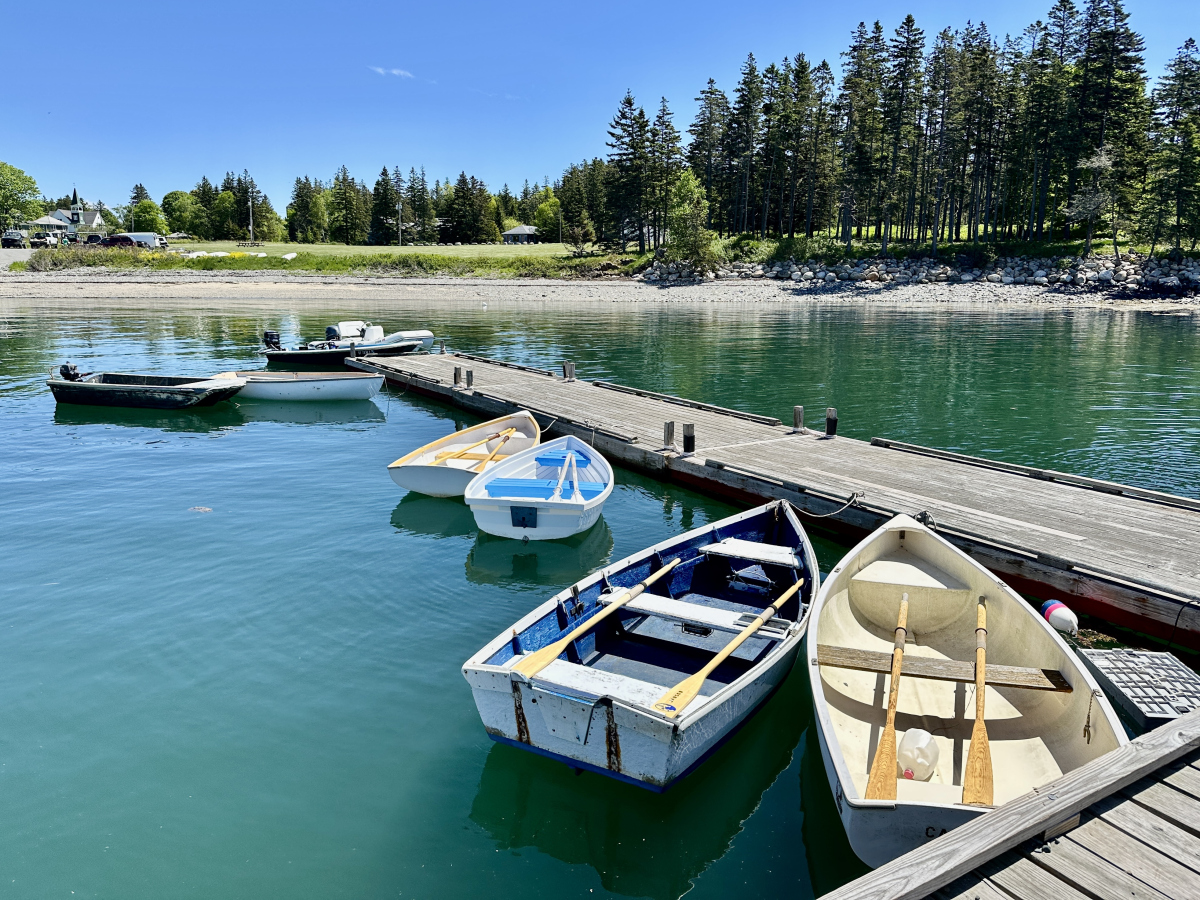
(119, 240)
(14, 238)
(94, 239)
(43, 239)
(149, 240)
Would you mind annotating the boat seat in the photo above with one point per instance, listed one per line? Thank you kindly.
(591, 684)
(696, 614)
(541, 488)
(883, 579)
(753, 551)
(558, 458)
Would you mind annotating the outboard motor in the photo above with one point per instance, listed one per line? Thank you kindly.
(331, 333)
(271, 339)
(69, 372)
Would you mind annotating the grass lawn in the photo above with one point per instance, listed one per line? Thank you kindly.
(503, 251)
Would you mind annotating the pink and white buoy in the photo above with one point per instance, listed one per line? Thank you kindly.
(1059, 615)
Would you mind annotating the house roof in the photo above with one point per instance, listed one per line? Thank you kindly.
(522, 229)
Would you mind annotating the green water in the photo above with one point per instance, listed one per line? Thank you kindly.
(264, 700)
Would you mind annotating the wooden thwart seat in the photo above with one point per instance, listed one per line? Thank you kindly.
(943, 669)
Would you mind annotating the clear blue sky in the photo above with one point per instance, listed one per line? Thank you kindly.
(163, 93)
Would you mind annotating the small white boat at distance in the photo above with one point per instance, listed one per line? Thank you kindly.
(446, 466)
(1043, 715)
(306, 386)
(640, 670)
(552, 491)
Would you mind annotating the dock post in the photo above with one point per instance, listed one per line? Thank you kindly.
(689, 439)
(470, 379)
(457, 375)
(443, 348)
(797, 420)
(353, 350)
(831, 422)
(668, 435)
(568, 371)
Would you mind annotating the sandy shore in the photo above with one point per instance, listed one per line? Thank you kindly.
(27, 292)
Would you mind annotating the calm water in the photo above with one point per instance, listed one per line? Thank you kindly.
(264, 700)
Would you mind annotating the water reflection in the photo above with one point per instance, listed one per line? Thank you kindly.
(340, 412)
(641, 844)
(433, 516)
(198, 421)
(496, 560)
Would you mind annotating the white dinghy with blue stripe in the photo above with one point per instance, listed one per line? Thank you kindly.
(542, 494)
(595, 677)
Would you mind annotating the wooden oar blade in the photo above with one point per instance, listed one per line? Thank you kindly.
(672, 703)
(882, 785)
(977, 776)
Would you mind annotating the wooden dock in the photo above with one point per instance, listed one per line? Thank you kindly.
(1123, 554)
(1127, 825)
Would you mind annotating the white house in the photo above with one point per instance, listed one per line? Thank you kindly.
(77, 218)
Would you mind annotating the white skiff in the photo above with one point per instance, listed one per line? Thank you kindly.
(1055, 721)
(593, 676)
(297, 386)
(542, 494)
(445, 467)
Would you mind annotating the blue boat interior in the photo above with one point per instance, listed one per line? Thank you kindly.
(662, 649)
(548, 469)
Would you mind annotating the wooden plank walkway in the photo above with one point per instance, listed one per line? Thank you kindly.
(1126, 555)
(1127, 825)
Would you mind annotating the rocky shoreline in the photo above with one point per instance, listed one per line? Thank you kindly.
(1158, 275)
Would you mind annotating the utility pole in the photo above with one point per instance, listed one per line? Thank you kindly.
(250, 203)
(399, 221)
(560, 224)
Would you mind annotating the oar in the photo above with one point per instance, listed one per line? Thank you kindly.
(455, 454)
(977, 777)
(534, 662)
(672, 703)
(492, 455)
(881, 785)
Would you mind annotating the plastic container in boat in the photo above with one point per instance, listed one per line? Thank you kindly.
(917, 754)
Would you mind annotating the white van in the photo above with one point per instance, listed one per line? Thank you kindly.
(148, 239)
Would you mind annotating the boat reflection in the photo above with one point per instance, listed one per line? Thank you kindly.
(497, 560)
(340, 412)
(640, 843)
(831, 861)
(199, 420)
(433, 516)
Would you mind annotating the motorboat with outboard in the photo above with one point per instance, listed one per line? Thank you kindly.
(345, 339)
(140, 391)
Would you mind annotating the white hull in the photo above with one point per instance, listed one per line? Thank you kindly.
(603, 721)
(1035, 736)
(556, 517)
(421, 471)
(301, 387)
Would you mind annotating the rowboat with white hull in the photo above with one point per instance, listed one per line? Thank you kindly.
(543, 494)
(982, 676)
(306, 386)
(446, 466)
(642, 669)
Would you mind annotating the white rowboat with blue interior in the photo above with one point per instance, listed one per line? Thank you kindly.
(552, 491)
(1044, 714)
(600, 703)
(444, 468)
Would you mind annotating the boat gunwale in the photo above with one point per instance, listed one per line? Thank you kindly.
(821, 705)
(705, 704)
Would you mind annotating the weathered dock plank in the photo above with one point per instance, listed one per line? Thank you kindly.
(1121, 847)
(1123, 554)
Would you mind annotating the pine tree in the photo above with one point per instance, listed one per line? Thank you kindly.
(629, 188)
(706, 133)
(384, 212)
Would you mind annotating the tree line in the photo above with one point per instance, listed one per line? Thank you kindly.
(1053, 134)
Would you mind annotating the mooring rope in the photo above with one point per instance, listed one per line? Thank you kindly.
(853, 501)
